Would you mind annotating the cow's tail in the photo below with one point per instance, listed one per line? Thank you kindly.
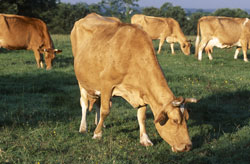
(197, 39)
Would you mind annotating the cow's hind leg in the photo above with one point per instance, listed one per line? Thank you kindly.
(84, 105)
(141, 116)
(105, 109)
(237, 51)
(201, 46)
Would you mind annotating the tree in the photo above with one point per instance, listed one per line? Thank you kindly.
(191, 25)
(176, 12)
(151, 11)
(65, 16)
(119, 8)
(32, 8)
(231, 13)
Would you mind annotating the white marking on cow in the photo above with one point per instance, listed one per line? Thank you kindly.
(97, 136)
(98, 93)
(200, 55)
(245, 21)
(236, 53)
(1, 42)
(84, 105)
(41, 64)
(182, 109)
(144, 140)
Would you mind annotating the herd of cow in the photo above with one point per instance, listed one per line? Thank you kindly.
(112, 58)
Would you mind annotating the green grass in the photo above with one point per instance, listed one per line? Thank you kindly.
(40, 112)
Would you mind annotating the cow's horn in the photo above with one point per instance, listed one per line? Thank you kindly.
(178, 101)
(191, 100)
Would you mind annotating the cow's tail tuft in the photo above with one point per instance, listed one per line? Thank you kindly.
(197, 39)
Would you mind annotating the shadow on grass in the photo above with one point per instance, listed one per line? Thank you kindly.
(226, 112)
(40, 96)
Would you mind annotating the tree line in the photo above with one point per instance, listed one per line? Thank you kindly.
(60, 17)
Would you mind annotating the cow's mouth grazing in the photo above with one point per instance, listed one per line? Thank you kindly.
(183, 148)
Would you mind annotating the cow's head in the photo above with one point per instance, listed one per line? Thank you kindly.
(185, 47)
(49, 56)
(171, 124)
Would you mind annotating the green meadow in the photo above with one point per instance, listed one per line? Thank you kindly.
(40, 112)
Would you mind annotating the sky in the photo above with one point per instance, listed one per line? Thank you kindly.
(197, 4)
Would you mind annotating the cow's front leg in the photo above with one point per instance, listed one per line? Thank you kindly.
(38, 59)
(84, 105)
(141, 116)
(105, 109)
(160, 45)
(172, 48)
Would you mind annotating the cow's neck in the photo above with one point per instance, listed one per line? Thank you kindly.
(180, 37)
(158, 93)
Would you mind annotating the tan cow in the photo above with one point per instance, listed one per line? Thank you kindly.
(222, 32)
(117, 59)
(164, 29)
(20, 32)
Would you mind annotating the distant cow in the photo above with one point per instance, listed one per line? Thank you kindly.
(117, 59)
(222, 32)
(164, 29)
(20, 32)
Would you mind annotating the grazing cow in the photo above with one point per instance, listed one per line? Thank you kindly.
(117, 59)
(20, 32)
(164, 29)
(222, 32)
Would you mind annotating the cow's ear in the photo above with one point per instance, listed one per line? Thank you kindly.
(161, 117)
(57, 51)
(42, 50)
(177, 102)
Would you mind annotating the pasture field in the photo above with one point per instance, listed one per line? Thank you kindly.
(40, 112)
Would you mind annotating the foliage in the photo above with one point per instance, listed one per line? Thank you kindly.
(151, 11)
(60, 17)
(119, 8)
(65, 16)
(41, 113)
(231, 13)
(32, 8)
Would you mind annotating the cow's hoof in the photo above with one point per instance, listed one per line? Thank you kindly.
(145, 141)
(245, 60)
(83, 130)
(97, 136)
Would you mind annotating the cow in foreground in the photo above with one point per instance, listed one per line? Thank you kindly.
(20, 32)
(222, 32)
(116, 59)
(163, 29)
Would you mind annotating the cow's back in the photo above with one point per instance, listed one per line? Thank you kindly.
(227, 30)
(110, 49)
(19, 32)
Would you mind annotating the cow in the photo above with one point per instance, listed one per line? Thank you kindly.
(222, 32)
(20, 32)
(163, 29)
(117, 59)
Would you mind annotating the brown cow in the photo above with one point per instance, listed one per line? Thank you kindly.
(223, 32)
(164, 29)
(20, 32)
(115, 59)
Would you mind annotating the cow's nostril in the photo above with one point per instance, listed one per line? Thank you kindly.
(188, 147)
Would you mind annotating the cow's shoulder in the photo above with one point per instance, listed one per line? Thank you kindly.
(94, 23)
